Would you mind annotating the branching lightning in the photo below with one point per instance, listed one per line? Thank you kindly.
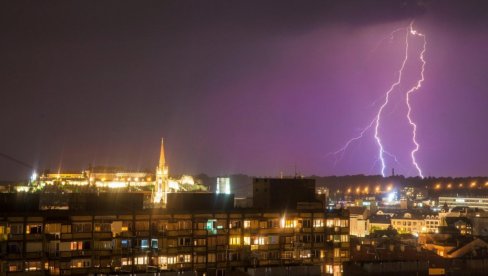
(407, 100)
(342, 150)
(381, 154)
(376, 122)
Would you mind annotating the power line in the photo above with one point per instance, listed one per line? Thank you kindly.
(15, 160)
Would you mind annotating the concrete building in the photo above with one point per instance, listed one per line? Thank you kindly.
(113, 233)
(480, 202)
(358, 217)
(432, 223)
(378, 222)
(283, 193)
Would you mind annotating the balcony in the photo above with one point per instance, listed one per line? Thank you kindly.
(80, 271)
(102, 252)
(288, 247)
(184, 249)
(66, 236)
(200, 233)
(200, 249)
(142, 233)
(15, 237)
(14, 256)
(102, 235)
(65, 254)
(33, 255)
(82, 235)
(126, 234)
(51, 237)
(31, 237)
(235, 231)
(81, 253)
(222, 231)
(267, 231)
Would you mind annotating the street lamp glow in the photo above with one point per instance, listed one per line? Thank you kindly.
(33, 177)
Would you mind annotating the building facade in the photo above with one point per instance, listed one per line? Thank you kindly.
(71, 242)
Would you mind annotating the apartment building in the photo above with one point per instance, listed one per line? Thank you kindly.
(113, 233)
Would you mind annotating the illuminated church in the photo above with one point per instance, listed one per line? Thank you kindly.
(103, 179)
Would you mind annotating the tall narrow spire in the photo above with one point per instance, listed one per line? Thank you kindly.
(162, 159)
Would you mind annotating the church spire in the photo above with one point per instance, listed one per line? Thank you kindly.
(162, 159)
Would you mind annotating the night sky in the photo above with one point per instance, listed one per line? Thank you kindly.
(255, 87)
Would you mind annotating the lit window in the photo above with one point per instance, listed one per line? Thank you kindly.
(247, 240)
(247, 224)
(288, 223)
(124, 243)
(258, 241)
(305, 254)
(184, 258)
(201, 259)
(144, 244)
(141, 260)
(172, 260)
(163, 262)
(76, 245)
(337, 252)
(235, 240)
(154, 243)
(318, 223)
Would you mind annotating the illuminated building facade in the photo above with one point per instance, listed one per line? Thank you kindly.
(464, 201)
(223, 185)
(107, 178)
(358, 219)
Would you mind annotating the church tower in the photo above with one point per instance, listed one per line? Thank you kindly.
(161, 178)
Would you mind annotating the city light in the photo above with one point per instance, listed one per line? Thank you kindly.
(33, 177)
(391, 197)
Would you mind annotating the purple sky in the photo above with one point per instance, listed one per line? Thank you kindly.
(239, 86)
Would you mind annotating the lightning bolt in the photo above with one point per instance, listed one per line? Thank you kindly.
(344, 148)
(376, 122)
(407, 100)
(381, 153)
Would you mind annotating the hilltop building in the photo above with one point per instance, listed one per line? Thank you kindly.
(104, 179)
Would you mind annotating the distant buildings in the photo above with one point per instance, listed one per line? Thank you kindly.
(464, 201)
(284, 193)
(223, 185)
(408, 223)
(359, 225)
(106, 179)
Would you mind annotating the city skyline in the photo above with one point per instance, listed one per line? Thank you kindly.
(254, 88)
